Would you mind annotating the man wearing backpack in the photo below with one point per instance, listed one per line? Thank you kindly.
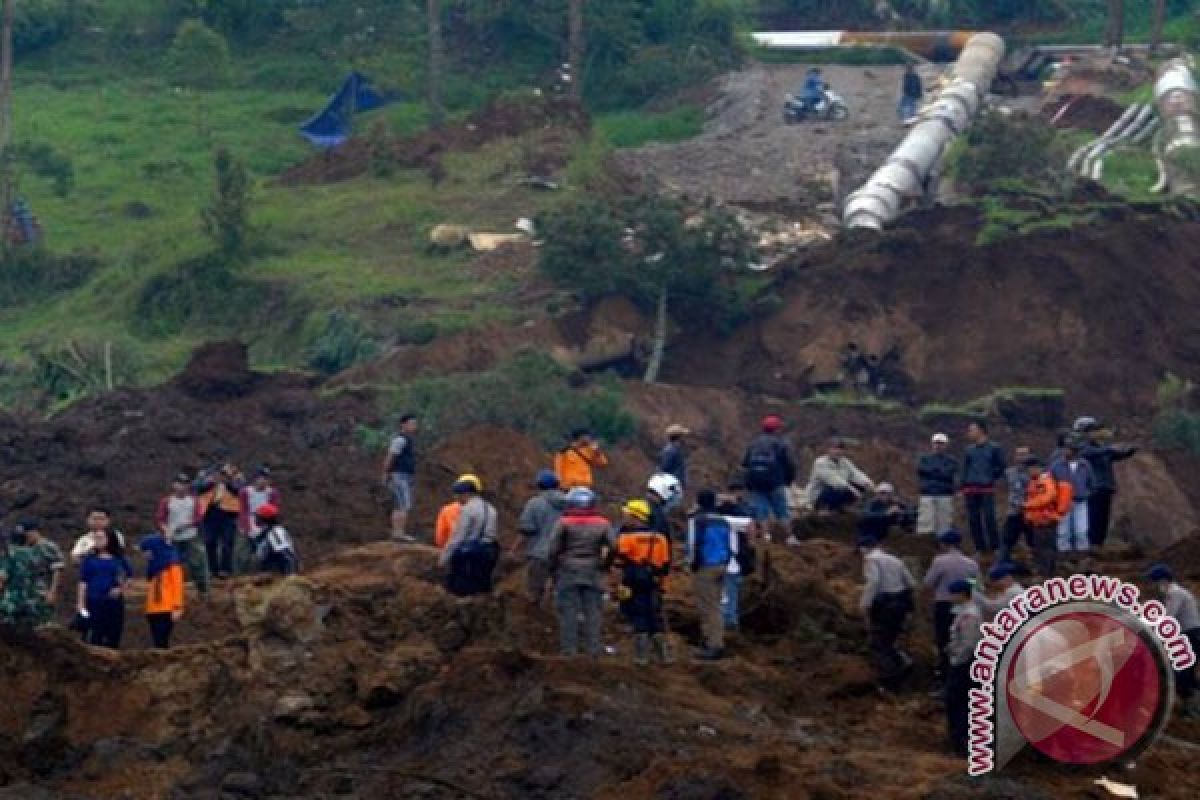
(581, 549)
(770, 467)
(711, 545)
(743, 564)
(472, 551)
(644, 559)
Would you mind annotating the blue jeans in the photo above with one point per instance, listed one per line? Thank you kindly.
(729, 599)
(765, 504)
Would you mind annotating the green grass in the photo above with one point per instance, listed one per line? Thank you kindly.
(982, 407)
(142, 155)
(1131, 173)
(849, 400)
(635, 128)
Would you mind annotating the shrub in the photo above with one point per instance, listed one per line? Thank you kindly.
(67, 372)
(342, 343)
(38, 24)
(32, 273)
(227, 219)
(529, 393)
(199, 56)
(1001, 149)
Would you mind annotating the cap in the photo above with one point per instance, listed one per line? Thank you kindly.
(884, 487)
(960, 586)
(678, 430)
(772, 423)
(1160, 572)
(950, 537)
(1085, 424)
(26, 524)
(1001, 570)
(638, 509)
(546, 479)
(940, 438)
(467, 483)
(267, 511)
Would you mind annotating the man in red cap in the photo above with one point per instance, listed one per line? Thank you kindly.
(770, 467)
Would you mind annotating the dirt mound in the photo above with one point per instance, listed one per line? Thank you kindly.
(217, 370)
(412, 693)
(500, 119)
(961, 320)
(1089, 112)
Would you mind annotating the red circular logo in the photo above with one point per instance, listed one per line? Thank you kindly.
(1084, 688)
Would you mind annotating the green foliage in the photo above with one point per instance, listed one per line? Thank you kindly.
(29, 274)
(47, 162)
(636, 128)
(198, 290)
(639, 246)
(342, 343)
(38, 24)
(68, 372)
(1002, 147)
(1177, 425)
(227, 219)
(529, 393)
(199, 56)
(850, 400)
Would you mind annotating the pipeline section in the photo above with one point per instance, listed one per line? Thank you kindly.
(1175, 95)
(942, 46)
(1134, 127)
(906, 172)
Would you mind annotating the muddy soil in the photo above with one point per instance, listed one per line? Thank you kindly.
(748, 156)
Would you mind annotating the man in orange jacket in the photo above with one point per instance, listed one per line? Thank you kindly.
(164, 589)
(644, 559)
(1042, 513)
(574, 463)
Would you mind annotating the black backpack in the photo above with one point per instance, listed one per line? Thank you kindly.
(763, 472)
(747, 555)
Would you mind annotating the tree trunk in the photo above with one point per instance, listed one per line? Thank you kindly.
(660, 339)
(576, 47)
(6, 171)
(1160, 19)
(437, 113)
(1116, 24)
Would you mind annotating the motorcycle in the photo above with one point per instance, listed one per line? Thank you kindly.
(831, 107)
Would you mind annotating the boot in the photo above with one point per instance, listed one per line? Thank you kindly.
(641, 649)
(662, 647)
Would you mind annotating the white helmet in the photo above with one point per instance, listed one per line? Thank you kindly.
(667, 488)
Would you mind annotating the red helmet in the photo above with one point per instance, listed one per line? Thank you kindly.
(267, 511)
(772, 423)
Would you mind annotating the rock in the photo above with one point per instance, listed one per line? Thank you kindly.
(242, 784)
(293, 705)
(288, 609)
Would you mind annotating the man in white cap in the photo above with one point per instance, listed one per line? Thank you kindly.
(673, 459)
(884, 511)
(936, 473)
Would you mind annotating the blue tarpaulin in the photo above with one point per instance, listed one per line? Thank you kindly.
(331, 126)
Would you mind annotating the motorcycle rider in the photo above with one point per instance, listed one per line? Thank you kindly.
(812, 95)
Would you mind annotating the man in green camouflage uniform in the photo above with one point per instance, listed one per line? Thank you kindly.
(22, 600)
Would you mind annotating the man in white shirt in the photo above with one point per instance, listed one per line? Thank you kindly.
(887, 600)
(1181, 604)
(98, 519)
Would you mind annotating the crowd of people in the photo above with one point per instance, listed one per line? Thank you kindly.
(1057, 515)
(1056, 518)
(209, 527)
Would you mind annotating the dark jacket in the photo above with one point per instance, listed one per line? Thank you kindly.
(1082, 480)
(983, 465)
(785, 461)
(937, 473)
(673, 461)
(1102, 457)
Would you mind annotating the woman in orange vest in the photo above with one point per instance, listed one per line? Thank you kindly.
(164, 589)
(644, 558)
(1042, 514)
(574, 463)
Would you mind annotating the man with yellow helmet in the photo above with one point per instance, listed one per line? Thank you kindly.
(472, 551)
(644, 559)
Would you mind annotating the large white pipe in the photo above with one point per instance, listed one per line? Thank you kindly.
(1175, 95)
(904, 174)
